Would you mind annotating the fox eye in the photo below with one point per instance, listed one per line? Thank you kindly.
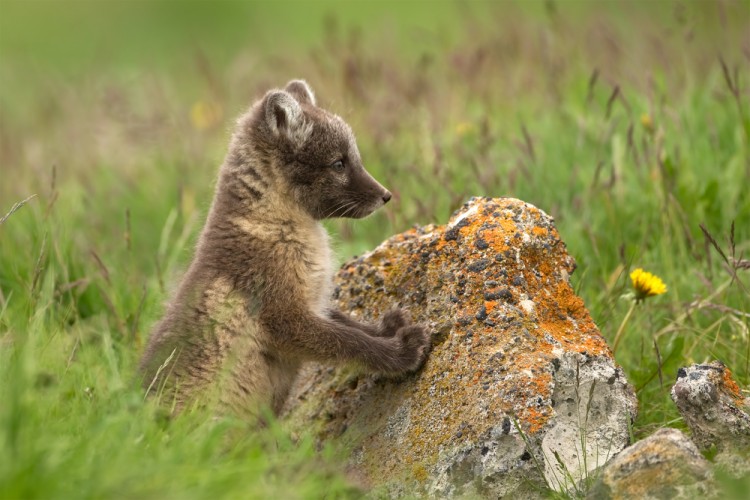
(338, 166)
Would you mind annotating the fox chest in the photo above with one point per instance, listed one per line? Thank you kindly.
(313, 268)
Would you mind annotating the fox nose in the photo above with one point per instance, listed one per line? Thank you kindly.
(386, 197)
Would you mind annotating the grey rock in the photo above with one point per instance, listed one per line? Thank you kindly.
(520, 390)
(716, 413)
(664, 465)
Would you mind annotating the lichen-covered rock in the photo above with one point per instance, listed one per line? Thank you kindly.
(520, 388)
(716, 413)
(665, 465)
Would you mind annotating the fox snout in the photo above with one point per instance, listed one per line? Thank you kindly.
(372, 194)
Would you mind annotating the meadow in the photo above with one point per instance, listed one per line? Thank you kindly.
(629, 122)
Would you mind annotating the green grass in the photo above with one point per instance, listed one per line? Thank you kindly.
(628, 122)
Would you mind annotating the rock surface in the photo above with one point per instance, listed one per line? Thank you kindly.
(716, 413)
(664, 465)
(520, 388)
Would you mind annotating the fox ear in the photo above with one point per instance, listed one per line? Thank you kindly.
(301, 91)
(284, 116)
(283, 112)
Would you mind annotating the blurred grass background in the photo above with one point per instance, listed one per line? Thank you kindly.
(628, 121)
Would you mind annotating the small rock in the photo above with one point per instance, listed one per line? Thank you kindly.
(664, 465)
(709, 400)
(716, 413)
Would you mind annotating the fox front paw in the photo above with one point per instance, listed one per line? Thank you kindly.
(414, 346)
(391, 323)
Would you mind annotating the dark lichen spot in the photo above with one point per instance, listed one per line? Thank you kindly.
(481, 244)
(526, 456)
(506, 425)
(464, 320)
(497, 357)
(462, 223)
(482, 313)
(479, 265)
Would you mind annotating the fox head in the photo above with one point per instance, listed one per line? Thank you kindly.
(309, 156)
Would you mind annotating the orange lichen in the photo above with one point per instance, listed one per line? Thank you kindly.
(495, 237)
(440, 244)
(570, 303)
(564, 304)
(534, 419)
(731, 387)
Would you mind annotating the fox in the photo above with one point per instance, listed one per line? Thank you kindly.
(255, 301)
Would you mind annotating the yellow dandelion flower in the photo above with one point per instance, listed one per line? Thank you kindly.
(646, 284)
